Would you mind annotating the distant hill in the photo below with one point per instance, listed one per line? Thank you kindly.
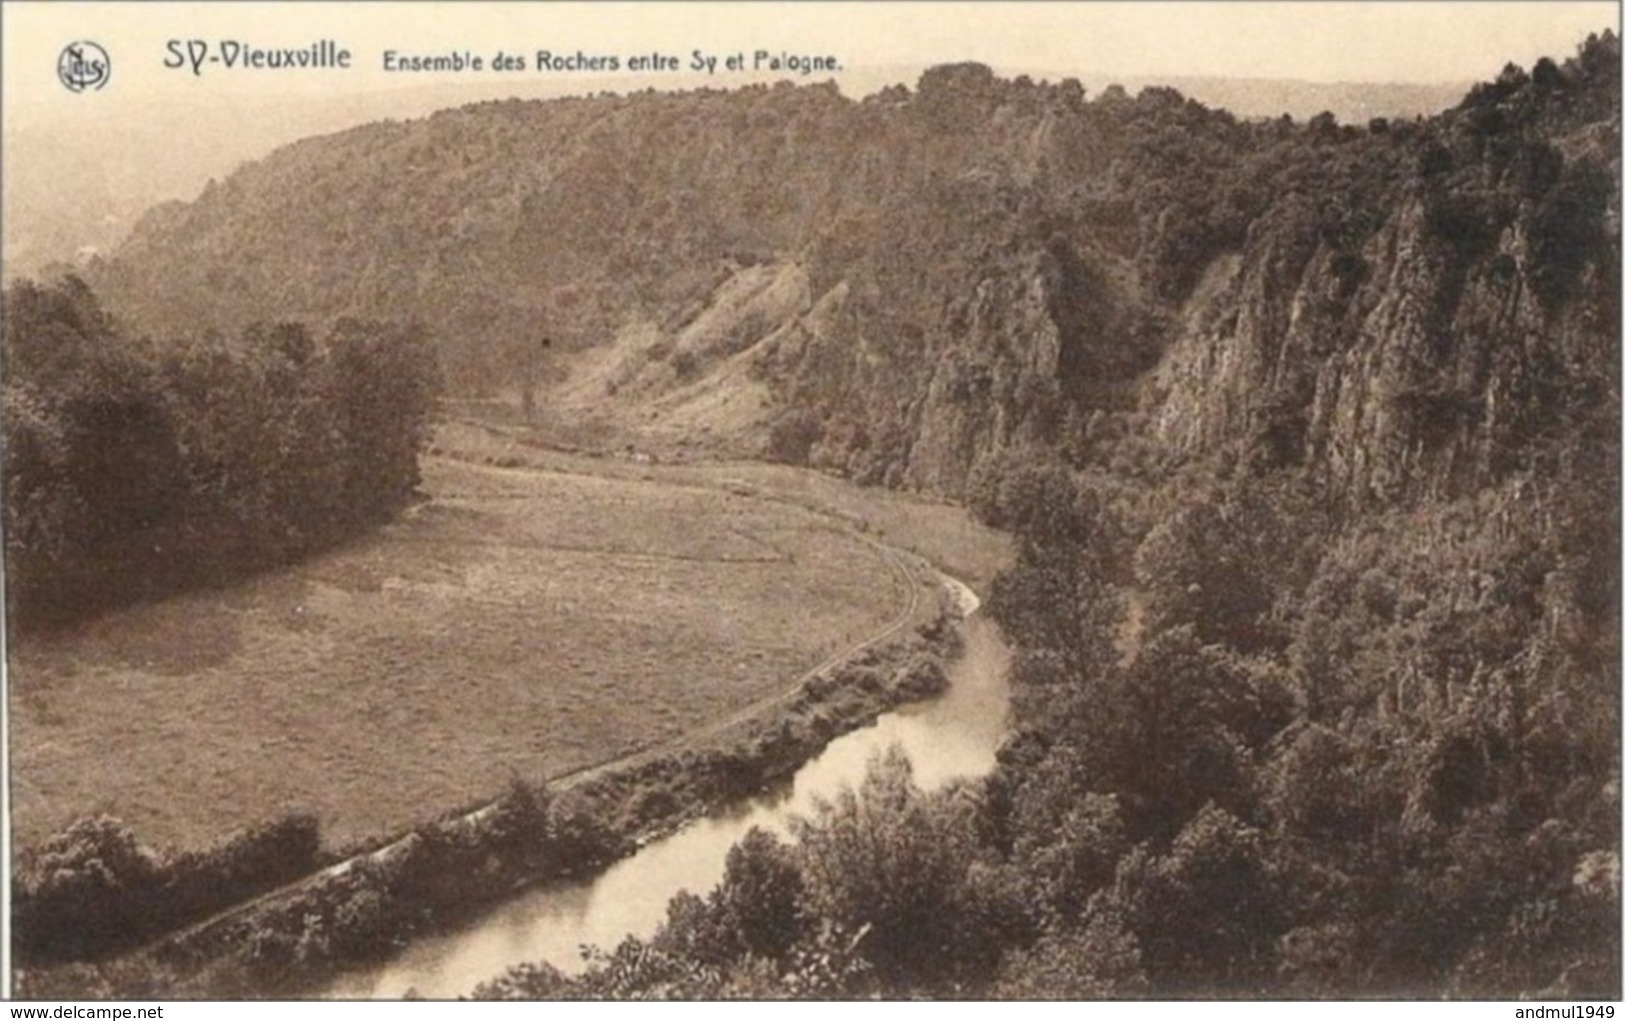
(1349, 102)
(67, 211)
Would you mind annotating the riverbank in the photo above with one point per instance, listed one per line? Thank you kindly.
(946, 739)
(292, 942)
(382, 893)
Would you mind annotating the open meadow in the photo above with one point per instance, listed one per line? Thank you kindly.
(491, 432)
(519, 623)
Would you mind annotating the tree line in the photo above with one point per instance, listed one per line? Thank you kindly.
(136, 466)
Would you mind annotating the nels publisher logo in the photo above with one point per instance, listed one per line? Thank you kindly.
(83, 67)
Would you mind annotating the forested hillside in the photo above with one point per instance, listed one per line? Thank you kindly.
(1004, 262)
(1317, 609)
(1309, 432)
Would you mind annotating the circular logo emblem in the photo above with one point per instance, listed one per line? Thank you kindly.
(83, 67)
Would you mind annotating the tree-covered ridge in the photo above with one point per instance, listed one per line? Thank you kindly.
(1314, 462)
(134, 466)
(991, 266)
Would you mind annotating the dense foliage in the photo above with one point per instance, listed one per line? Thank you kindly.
(92, 888)
(1311, 699)
(134, 466)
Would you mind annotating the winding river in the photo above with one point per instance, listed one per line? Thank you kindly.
(950, 737)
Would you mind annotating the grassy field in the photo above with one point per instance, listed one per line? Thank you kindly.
(521, 623)
(942, 533)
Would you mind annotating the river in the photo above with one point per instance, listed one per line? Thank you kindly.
(951, 737)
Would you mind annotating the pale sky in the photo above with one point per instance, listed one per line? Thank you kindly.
(1318, 41)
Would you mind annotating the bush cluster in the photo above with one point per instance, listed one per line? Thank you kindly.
(93, 889)
(133, 467)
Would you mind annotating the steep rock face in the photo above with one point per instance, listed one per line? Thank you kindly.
(971, 411)
(1408, 364)
(1004, 367)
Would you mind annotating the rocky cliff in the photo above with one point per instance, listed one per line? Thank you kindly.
(916, 288)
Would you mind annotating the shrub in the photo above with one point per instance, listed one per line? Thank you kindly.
(889, 862)
(92, 889)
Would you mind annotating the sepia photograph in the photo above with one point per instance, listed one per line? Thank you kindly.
(860, 501)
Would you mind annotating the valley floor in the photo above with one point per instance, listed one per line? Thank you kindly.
(520, 623)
